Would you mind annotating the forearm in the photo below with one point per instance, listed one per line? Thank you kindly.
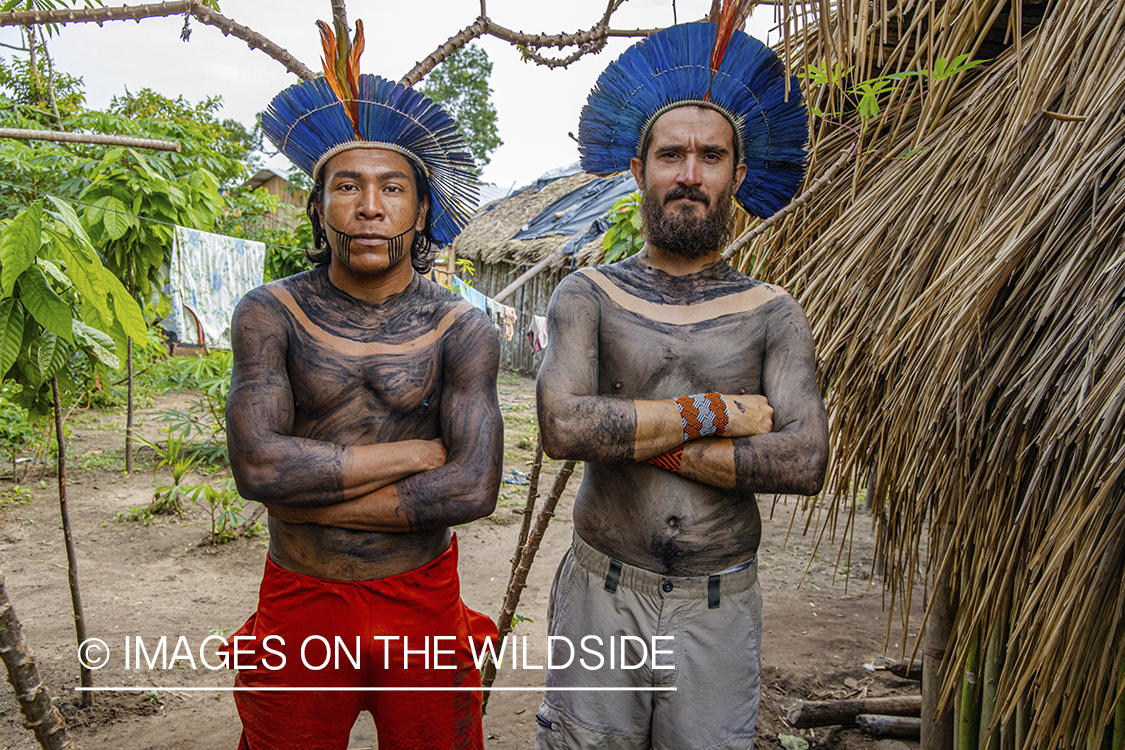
(298, 472)
(609, 429)
(775, 462)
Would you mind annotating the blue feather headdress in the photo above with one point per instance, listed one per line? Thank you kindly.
(683, 65)
(312, 121)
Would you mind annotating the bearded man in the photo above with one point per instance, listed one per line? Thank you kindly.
(363, 413)
(687, 388)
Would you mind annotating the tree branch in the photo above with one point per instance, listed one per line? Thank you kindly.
(98, 138)
(253, 39)
(457, 41)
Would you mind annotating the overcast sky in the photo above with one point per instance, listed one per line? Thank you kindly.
(536, 106)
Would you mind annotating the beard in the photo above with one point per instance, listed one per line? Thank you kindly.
(679, 231)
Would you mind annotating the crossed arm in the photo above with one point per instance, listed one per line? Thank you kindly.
(410, 485)
(778, 449)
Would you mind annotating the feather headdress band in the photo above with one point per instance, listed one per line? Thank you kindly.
(312, 121)
(708, 65)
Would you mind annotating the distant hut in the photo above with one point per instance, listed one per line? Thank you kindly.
(551, 227)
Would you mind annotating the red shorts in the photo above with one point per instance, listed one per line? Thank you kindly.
(388, 626)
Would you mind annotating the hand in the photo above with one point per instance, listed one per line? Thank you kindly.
(433, 454)
(749, 415)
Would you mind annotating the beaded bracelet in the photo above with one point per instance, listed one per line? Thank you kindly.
(670, 460)
(703, 414)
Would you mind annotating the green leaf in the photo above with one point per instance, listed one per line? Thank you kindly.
(21, 242)
(53, 353)
(792, 742)
(64, 213)
(54, 272)
(868, 107)
(96, 343)
(636, 221)
(116, 224)
(48, 309)
(11, 333)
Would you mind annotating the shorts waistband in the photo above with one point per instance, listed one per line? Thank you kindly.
(732, 581)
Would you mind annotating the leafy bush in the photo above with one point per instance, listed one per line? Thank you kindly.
(207, 415)
(624, 238)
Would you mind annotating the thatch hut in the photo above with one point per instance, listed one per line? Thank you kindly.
(965, 278)
(498, 258)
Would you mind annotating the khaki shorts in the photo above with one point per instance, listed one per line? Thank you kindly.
(715, 624)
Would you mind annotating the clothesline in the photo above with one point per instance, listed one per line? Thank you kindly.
(503, 317)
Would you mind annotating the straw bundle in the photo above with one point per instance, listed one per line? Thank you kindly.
(969, 307)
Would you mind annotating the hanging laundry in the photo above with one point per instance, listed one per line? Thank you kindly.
(503, 317)
(209, 274)
(537, 334)
(475, 298)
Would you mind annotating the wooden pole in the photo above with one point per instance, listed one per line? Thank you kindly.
(71, 554)
(830, 713)
(39, 712)
(129, 408)
(890, 726)
(527, 276)
(95, 138)
(519, 580)
(937, 729)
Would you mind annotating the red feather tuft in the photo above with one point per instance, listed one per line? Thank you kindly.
(341, 69)
(732, 16)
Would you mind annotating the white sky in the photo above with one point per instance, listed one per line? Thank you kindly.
(536, 106)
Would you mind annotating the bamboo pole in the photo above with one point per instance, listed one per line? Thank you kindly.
(519, 579)
(993, 663)
(1023, 721)
(525, 277)
(95, 138)
(39, 712)
(87, 677)
(937, 729)
(968, 731)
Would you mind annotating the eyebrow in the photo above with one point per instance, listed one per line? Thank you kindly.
(389, 174)
(707, 148)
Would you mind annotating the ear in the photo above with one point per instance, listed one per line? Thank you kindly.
(637, 169)
(739, 176)
(423, 208)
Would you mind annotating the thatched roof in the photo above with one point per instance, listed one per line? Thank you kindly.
(968, 301)
(487, 238)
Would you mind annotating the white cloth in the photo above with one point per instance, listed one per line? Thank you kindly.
(209, 274)
(537, 334)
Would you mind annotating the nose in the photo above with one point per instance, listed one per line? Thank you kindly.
(690, 171)
(370, 205)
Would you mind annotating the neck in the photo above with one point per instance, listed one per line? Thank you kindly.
(677, 265)
(374, 287)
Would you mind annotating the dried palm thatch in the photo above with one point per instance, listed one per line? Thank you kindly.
(488, 237)
(969, 307)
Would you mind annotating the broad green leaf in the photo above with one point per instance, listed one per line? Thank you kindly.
(636, 220)
(868, 107)
(11, 333)
(127, 312)
(54, 272)
(97, 343)
(21, 242)
(53, 352)
(113, 218)
(64, 213)
(48, 309)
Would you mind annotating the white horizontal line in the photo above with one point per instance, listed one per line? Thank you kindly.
(228, 689)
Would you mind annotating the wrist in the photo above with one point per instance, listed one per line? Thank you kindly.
(703, 415)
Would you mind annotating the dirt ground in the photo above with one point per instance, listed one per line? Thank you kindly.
(156, 580)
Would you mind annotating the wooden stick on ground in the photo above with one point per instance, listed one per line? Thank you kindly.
(519, 578)
(830, 713)
(40, 714)
(890, 726)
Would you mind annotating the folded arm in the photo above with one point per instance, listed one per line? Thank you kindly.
(269, 464)
(577, 423)
(793, 458)
(465, 487)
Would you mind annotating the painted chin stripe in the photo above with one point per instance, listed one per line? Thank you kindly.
(396, 246)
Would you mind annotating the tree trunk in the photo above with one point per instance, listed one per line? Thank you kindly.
(71, 556)
(937, 730)
(39, 713)
(129, 409)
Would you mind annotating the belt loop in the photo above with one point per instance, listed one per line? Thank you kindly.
(713, 591)
(613, 576)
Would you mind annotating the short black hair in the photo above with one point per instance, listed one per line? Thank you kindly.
(422, 251)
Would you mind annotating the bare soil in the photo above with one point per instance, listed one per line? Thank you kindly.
(156, 579)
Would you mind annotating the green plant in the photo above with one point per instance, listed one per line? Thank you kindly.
(16, 433)
(166, 500)
(15, 495)
(206, 416)
(225, 507)
(624, 238)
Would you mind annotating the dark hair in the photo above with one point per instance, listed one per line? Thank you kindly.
(422, 250)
